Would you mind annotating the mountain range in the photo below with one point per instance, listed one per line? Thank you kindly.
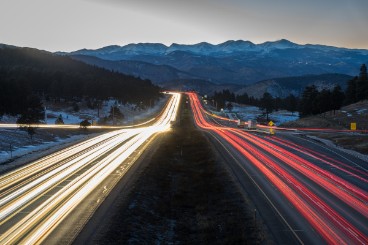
(232, 62)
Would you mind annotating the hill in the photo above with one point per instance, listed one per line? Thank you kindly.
(234, 62)
(200, 86)
(157, 73)
(283, 87)
(25, 71)
(357, 112)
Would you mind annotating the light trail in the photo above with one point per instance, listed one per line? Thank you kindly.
(346, 168)
(50, 188)
(282, 128)
(352, 195)
(274, 162)
(74, 126)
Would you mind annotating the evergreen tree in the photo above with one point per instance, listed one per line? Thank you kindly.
(229, 106)
(322, 102)
(337, 98)
(220, 98)
(291, 103)
(277, 103)
(351, 91)
(242, 99)
(34, 112)
(362, 84)
(306, 104)
(59, 120)
(115, 114)
(267, 104)
(84, 124)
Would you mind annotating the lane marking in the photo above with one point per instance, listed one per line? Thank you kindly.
(259, 188)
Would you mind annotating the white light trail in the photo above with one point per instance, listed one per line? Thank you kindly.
(94, 160)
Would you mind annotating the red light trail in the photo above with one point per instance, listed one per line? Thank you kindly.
(275, 163)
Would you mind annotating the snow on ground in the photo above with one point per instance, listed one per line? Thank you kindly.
(362, 111)
(131, 112)
(29, 153)
(246, 112)
(28, 149)
(21, 145)
(283, 116)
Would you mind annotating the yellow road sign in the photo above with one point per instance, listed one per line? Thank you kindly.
(352, 126)
(270, 123)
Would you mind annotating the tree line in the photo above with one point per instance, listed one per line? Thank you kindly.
(311, 102)
(28, 73)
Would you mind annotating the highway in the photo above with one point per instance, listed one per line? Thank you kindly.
(318, 194)
(36, 198)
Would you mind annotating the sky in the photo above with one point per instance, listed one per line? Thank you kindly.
(68, 25)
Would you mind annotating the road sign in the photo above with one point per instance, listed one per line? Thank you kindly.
(352, 126)
(270, 123)
(272, 131)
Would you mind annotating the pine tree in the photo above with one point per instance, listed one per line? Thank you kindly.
(267, 103)
(229, 107)
(362, 84)
(307, 105)
(34, 113)
(351, 91)
(291, 103)
(322, 102)
(59, 120)
(337, 98)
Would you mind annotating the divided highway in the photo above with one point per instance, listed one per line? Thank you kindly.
(319, 194)
(34, 199)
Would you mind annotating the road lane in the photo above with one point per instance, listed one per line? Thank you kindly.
(331, 204)
(37, 197)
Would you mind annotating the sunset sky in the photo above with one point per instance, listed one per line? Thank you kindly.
(75, 24)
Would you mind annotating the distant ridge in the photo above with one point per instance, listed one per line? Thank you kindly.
(229, 46)
(231, 62)
(284, 86)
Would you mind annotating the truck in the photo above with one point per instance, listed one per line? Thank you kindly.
(240, 124)
(252, 124)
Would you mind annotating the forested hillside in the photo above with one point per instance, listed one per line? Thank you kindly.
(25, 72)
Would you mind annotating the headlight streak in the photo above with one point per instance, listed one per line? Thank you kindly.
(45, 162)
(74, 126)
(330, 224)
(45, 182)
(35, 226)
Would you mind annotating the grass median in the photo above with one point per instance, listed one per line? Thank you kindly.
(183, 196)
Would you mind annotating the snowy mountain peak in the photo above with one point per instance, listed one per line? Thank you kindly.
(145, 48)
(236, 46)
(203, 48)
(279, 44)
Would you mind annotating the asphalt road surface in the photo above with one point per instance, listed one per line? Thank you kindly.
(304, 191)
(36, 198)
